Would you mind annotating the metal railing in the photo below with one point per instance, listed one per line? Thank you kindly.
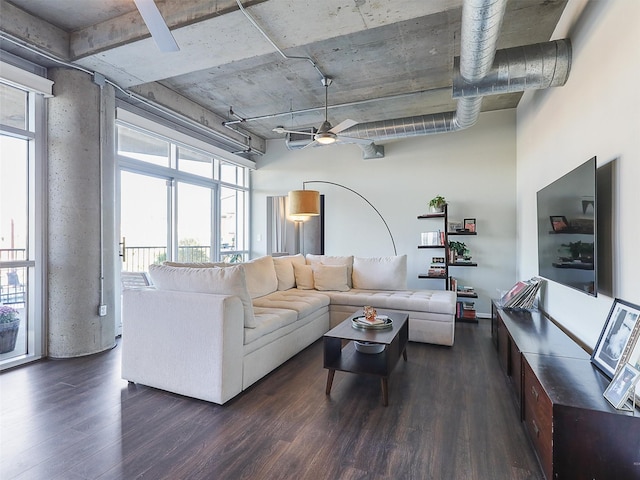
(138, 259)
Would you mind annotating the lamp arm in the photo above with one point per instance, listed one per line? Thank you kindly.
(395, 251)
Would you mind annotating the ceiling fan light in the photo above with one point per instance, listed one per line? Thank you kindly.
(325, 138)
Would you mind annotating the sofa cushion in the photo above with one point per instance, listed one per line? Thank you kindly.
(330, 277)
(380, 273)
(302, 301)
(435, 301)
(284, 270)
(261, 276)
(333, 260)
(269, 320)
(222, 281)
(304, 276)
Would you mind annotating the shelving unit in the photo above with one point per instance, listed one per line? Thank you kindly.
(462, 295)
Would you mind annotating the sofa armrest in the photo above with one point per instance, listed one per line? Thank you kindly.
(183, 342)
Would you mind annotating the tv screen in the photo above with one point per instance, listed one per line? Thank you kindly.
(567, 210)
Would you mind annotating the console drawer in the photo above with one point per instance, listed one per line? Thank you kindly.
(538, 414)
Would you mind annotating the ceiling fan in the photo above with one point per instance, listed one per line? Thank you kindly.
(157, 26)
(327, 134)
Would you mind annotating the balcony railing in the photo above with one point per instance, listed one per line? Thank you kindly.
(138, 259)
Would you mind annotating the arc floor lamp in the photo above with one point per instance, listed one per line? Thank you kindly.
(306, 203)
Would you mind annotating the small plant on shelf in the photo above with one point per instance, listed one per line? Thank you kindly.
(437, 203)
(460, 249)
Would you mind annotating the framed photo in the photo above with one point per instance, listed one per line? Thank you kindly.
(620, 387)
(631, 355)
(454, 226)
(622, 320)
(469, 224)
(559, 223)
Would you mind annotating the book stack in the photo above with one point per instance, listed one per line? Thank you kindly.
(522, 295)
(466, 310)
(432, 238)
(437, 271)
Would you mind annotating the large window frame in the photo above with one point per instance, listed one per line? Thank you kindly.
(34, 261)
(175, 176)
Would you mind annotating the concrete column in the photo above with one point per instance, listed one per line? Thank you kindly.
(75, 255)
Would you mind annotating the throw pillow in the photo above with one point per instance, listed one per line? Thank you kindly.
(333, 260)
(330, 277)
(304, 276)
(284, 270)
(222, 281)
(380, 273)
(261, 276)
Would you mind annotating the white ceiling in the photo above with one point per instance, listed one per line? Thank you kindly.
(388, 59)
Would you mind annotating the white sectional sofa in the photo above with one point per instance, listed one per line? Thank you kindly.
(210, 331)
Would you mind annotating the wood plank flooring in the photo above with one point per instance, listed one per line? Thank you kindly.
(450, 416)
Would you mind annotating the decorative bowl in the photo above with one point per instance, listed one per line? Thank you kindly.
(368, 347)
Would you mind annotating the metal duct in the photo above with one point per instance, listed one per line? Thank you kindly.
(481, 21)
(537, 66)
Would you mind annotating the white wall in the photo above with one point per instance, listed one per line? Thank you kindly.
(473, 169)
(595, 113)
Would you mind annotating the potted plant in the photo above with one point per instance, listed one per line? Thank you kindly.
(9, 324)
(437, 203)
(459, 248)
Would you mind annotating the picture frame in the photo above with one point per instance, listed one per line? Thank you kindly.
(469, 224)
(620, 388)
(454, 226)
(631, 356)
(621, 322)
(559, 223)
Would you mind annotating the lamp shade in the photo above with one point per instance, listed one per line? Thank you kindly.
(304, 203)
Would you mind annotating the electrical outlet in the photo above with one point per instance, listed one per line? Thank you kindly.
(102, 310)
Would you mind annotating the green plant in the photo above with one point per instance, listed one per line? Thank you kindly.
(437, 201)
(579, 249)
(8, 314)
(459, 247)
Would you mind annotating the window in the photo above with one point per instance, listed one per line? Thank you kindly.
(178, 201)
(21, 192)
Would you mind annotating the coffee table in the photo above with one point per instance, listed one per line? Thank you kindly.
(348, 359)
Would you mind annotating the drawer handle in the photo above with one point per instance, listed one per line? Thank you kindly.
(535, 428)
(534, 392)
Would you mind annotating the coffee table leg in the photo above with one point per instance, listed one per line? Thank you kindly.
(330, 375)
(385, 391)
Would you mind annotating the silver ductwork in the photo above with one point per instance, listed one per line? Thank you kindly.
(480, 71)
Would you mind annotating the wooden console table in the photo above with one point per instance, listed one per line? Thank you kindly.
(575, 432)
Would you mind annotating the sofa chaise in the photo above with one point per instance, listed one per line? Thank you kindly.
(210, 331)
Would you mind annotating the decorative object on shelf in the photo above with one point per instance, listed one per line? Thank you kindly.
(454, 227)
(622, 387)
(436, 204)
(522, 295)
(459, 248)
(616, 333)
(559, 223)
(380, 322)
(469, 224)
(395, 251)
(9, 325)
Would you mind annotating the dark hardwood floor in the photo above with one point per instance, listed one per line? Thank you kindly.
(450, 416)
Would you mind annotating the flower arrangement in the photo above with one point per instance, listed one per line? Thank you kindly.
(8, 314)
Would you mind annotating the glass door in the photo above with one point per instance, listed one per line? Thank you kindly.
(145, 212)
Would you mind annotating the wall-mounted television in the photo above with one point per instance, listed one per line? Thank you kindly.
(567, 219)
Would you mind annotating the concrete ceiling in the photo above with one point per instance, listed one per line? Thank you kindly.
(388, 59)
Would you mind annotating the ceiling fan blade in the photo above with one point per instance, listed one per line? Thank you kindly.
(310, 144)
(297, 132)
(362, 141)
(157, 26)
(348, 123)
